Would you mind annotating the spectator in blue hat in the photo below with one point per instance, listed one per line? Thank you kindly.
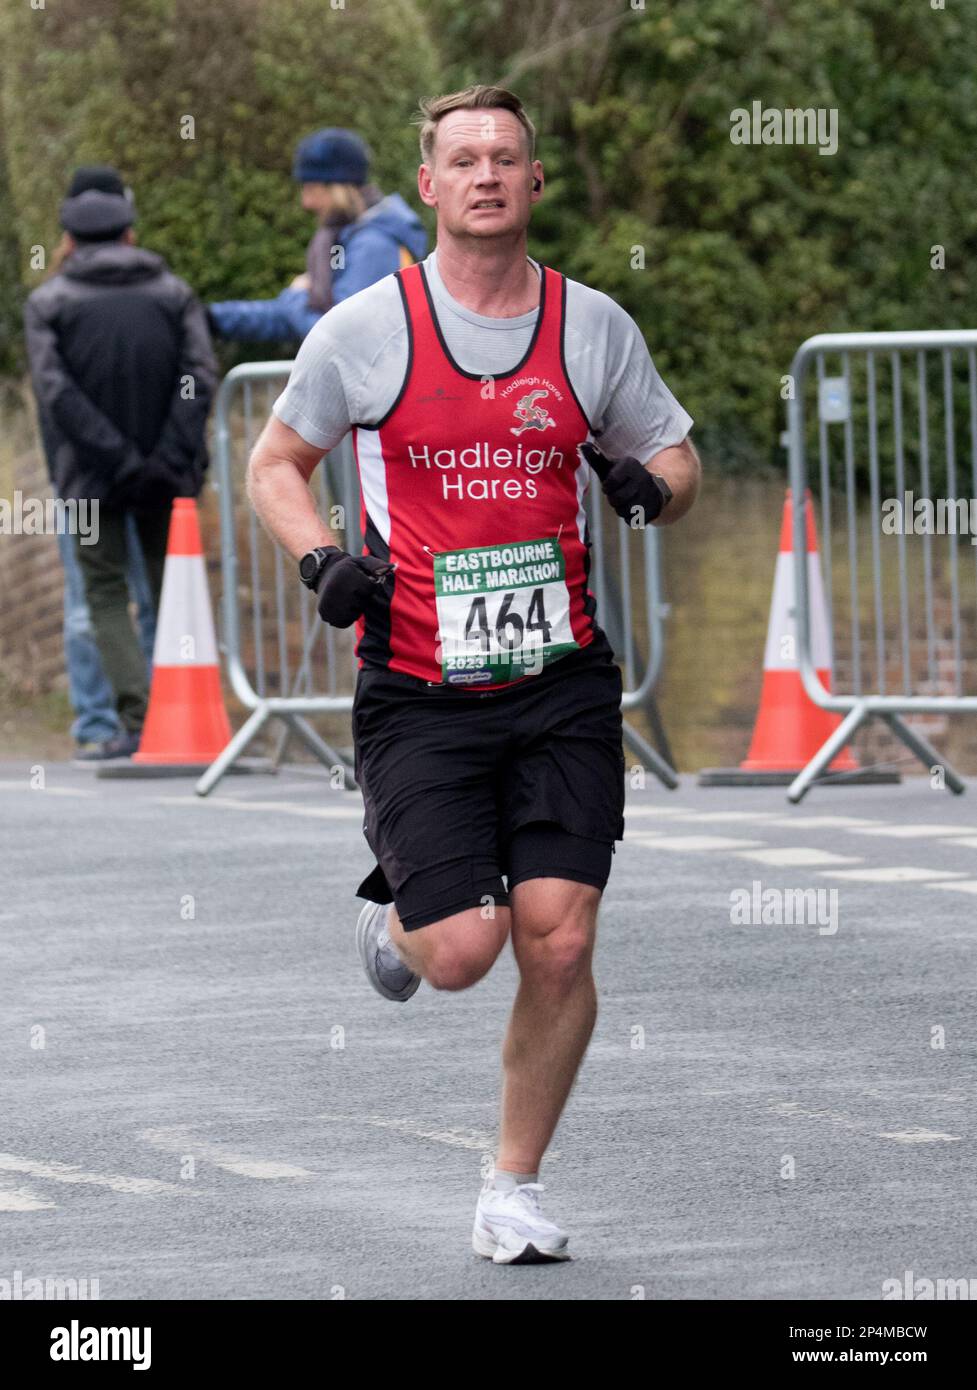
(361, 237)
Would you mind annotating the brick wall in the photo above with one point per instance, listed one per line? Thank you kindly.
(953, 736)
(31, 590)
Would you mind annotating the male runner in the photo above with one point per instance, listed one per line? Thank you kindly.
(486, 720)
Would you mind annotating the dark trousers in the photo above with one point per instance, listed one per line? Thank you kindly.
(103, 567)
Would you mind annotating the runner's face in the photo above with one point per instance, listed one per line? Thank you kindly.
(481, 182)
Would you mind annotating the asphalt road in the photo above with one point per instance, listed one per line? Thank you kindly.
(219, 1106)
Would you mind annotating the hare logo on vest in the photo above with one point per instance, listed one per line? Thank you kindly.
(531, 415)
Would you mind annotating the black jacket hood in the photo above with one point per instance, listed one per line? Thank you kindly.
(112, 263)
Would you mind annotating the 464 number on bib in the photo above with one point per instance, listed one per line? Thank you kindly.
(503, 612)
(510, 630)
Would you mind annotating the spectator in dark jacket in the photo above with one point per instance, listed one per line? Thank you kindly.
(95, 726)
(361, 237)
(124, 373)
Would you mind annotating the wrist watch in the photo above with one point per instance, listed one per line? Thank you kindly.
(313, 562)
(665, 490)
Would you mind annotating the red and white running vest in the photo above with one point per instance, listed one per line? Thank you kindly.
(472, 486)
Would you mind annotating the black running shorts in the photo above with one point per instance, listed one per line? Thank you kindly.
(461, 787)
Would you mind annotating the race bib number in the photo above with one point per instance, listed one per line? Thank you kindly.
(503, 611)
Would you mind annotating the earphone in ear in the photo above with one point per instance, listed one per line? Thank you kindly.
(537, 185)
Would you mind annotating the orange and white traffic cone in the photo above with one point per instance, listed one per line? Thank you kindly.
(790, 727)
(186, 723)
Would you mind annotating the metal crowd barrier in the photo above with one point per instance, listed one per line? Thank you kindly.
(902, 603)
(285, 664)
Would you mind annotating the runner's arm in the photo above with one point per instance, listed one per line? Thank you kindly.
(679, 465)
(281, 464)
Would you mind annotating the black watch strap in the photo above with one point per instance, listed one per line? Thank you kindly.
(665, 490)
(312, 563)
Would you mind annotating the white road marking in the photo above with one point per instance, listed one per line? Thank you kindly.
(23, 1199)
(699, 816)
(921, 1136)
(825, 822)
(288, 808)
(797, 856)
(691, 842)
(967, 844)
(969, 885)
(455, 1138)
(902, 874)
(70, 1173)
(791, 1110)
(710, 817)
(912, 832)
(178, 1140)
(9, 784)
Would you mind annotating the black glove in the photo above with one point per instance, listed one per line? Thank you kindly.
(627, 485)
(347, 584)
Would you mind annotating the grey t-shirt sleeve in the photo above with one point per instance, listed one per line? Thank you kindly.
(349, 369)
(314, 402)
(630, 408)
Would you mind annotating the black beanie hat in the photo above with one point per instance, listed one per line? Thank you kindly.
(98, 206)
(97, 216)
(101, 177)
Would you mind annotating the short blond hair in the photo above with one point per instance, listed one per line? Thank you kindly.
(478, 97)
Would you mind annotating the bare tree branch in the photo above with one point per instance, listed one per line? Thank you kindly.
(538, 56)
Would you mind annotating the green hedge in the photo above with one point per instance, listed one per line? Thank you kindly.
(747, 250)
(111, 80)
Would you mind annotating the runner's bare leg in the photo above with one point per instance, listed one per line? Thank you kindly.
(554, 925)
(412, 955)
(456, 952)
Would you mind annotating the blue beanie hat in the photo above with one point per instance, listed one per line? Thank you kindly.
(332, 155)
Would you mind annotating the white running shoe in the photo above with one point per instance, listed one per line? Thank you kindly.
(385, 970)
(510, 1229)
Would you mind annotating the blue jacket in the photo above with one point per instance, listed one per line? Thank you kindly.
(373, 246)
